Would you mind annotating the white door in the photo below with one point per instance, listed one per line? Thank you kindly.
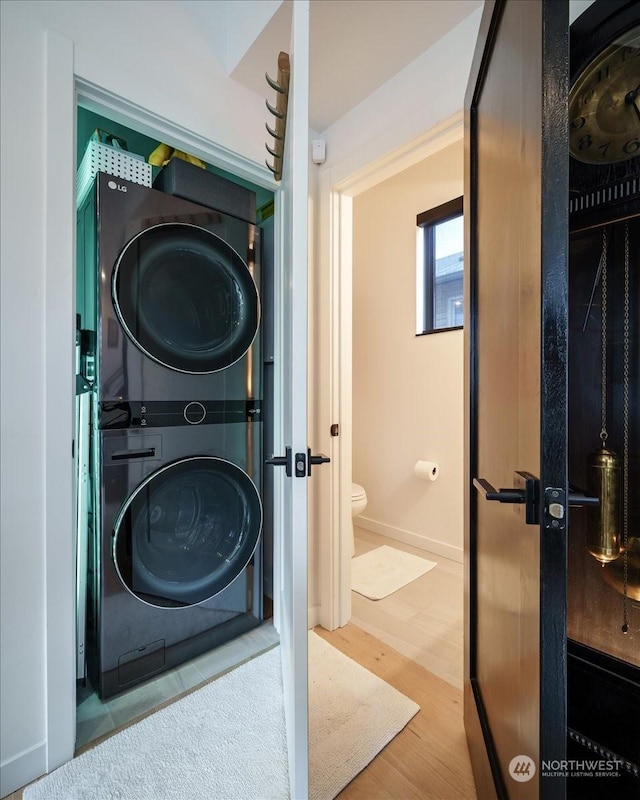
(291, 406)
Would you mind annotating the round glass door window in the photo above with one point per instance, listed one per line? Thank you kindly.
(187, 532)
(186, 298)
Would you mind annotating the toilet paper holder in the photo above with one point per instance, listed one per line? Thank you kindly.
(426, 470)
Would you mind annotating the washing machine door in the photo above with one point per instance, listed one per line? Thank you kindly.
(186, 298)
(187, 532)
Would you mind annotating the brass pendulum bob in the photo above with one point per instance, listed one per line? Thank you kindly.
(603, 533)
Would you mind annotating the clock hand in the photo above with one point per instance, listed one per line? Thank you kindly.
(631, 99)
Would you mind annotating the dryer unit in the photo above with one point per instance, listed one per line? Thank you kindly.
(177, 567)
(178, 309)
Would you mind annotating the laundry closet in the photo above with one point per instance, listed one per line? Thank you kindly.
(174, 409)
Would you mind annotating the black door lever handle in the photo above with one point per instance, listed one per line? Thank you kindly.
(281, 461)
(526, 490)
(320, 458)
(577, 497)
(501, 495)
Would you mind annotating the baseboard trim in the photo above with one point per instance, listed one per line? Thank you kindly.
(313, 617)
(23, 769)
(408, 537)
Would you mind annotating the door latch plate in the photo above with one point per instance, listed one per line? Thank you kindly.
(555, 516)
(300, 465)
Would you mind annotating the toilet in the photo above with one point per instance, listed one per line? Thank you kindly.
(358, 505)
(358, 499)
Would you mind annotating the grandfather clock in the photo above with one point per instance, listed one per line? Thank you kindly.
(603, 611)
(552, 540)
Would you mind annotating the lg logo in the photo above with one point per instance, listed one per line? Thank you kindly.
(114, 185)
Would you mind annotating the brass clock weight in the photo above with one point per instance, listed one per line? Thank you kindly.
(623, 574)
(604, 114)
(603, 532)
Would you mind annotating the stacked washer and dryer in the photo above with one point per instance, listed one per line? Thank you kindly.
(170, 288)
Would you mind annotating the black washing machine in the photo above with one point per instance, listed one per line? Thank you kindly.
(171, 291)
(178, 564)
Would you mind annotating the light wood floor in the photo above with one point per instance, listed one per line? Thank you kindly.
(424, 619)
(428, 759)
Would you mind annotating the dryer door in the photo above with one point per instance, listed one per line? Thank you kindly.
(186, 298)
(187, 532)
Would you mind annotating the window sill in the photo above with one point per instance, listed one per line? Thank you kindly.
(441, 330)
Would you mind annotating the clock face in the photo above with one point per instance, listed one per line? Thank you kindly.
(604, 105)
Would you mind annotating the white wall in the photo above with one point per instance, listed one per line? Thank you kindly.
(124, 48)
(232, 25)
(157, 55)
(425, 93)
(407, 389)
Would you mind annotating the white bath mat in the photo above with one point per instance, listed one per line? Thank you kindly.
(382, 571)
(353, 714)
(226, 740)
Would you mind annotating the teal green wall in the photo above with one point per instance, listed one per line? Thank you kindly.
(143, 145)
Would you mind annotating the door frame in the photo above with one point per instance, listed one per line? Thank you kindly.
(338, 185)
(64, 90)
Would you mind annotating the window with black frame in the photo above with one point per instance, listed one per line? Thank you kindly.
(440, 268)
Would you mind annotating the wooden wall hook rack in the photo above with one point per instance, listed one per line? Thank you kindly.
(279, 111)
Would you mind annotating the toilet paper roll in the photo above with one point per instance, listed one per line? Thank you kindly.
(427, 470)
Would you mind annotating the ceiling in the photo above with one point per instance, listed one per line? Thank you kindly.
(355, 47)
